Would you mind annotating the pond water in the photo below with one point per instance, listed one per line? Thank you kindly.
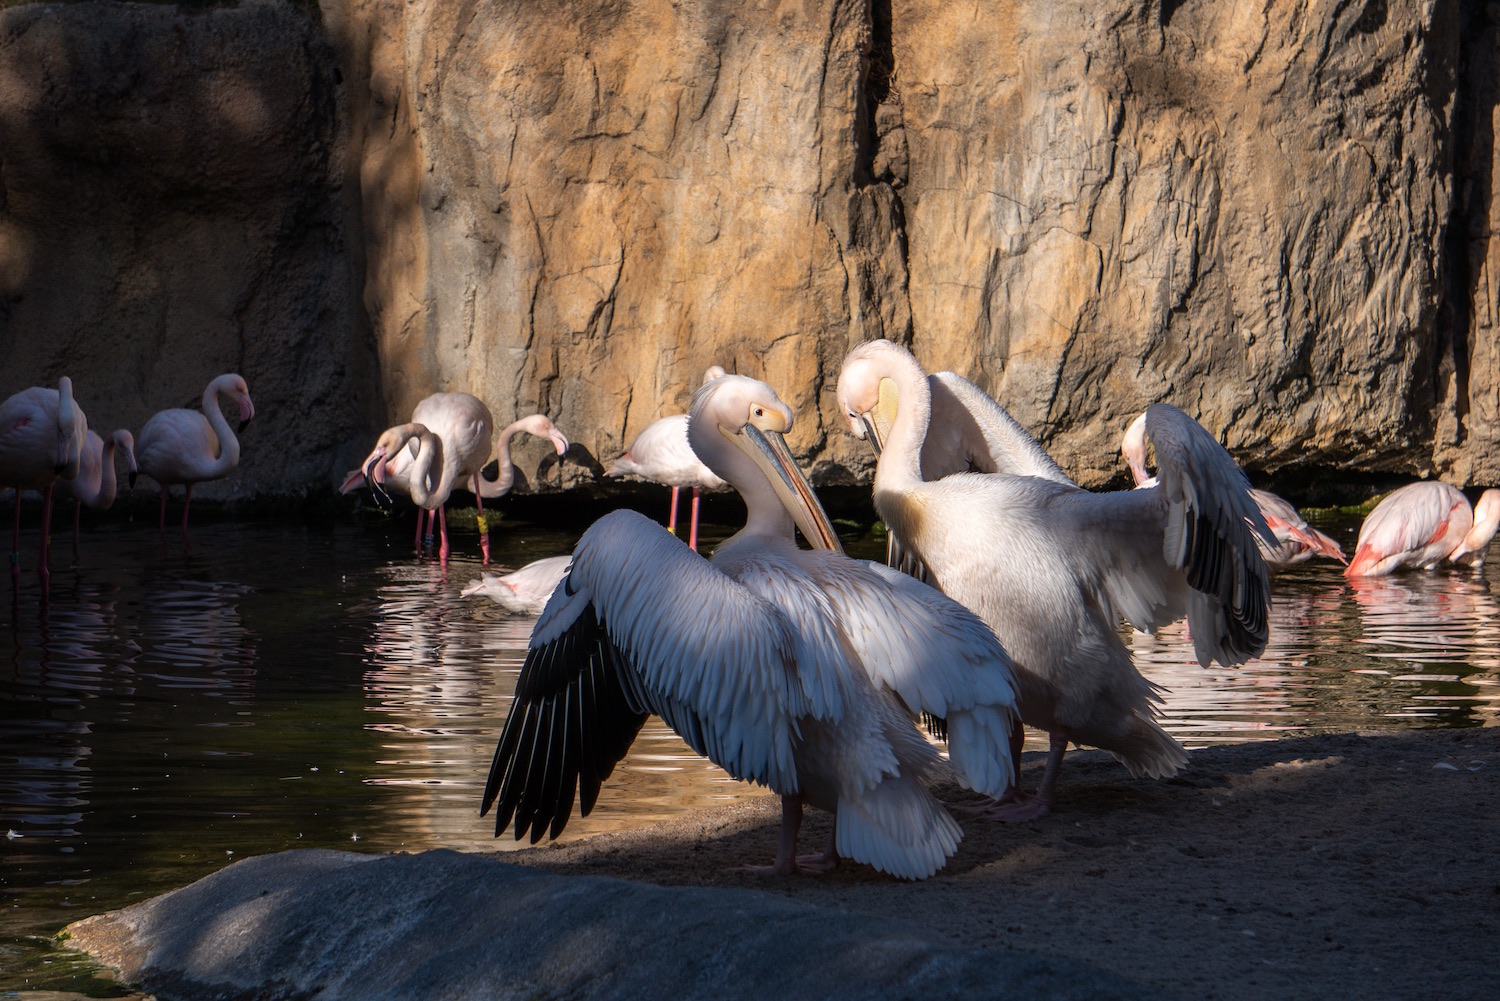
(177, 706)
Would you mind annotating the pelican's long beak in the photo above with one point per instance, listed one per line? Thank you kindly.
(769, 451)
(878, 419)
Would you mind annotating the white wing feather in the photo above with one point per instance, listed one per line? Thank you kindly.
(970, 432)
(698, 642)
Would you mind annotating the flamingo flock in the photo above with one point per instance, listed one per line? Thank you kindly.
(46, 445)
(793, 665)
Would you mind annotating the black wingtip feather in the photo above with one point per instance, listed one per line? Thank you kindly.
(571, 721)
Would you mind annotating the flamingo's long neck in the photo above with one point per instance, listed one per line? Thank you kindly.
(429, 454)
(507, 477)
(1486, 522)
(229, 446)
(70, 447)
(105, 495)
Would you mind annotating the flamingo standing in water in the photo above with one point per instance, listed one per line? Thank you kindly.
(1295, 540)
(95, 485)
(1422, 524)
(464, 425)
(42, 433)
(1052, 568)
(801, 670)
(189, 446)
(661, 454)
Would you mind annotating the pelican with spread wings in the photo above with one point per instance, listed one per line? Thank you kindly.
(801, 670)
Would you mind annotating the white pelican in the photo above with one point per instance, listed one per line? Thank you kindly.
(798, 669)
(1422, 524)
(188, 446)
(42, 433)
(661, 454)
(1052, 567)
(1295, 540)
(524, 591)
(95, 485)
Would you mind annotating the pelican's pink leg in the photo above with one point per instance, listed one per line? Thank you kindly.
(787, 859)
(421, 517)
(161, 522)
(693, 531)
(442, 519)
(786, 844)
(1020, 807)
(672, 518)
(187, 499)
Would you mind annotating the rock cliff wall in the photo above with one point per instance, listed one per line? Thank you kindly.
(1279, 218)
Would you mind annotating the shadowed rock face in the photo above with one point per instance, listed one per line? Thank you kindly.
(1276, 219)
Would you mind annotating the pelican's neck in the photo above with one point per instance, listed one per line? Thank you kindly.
(765, 515)
(229, 445)
(900, 463)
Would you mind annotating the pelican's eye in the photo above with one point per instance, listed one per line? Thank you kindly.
(760, 412)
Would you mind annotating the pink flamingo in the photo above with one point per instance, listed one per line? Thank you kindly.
(41, 441)
(95, 484)
(1296, 539)
(661, 454)
(1422, 524)
(463, 424)
(188, 446)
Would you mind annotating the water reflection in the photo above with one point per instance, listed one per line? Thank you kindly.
(170, 711)
(1366, 654)
(440, 670)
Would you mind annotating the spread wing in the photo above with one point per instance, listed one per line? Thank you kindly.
(641, 624)
(939, 658)
(1210, 527)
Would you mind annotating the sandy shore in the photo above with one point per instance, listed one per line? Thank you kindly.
(1342, 866)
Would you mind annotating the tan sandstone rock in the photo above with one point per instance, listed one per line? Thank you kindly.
(1276, 217)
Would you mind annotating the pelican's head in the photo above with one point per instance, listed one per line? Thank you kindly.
(867, 391)
(749, 415)
(1133, 448)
